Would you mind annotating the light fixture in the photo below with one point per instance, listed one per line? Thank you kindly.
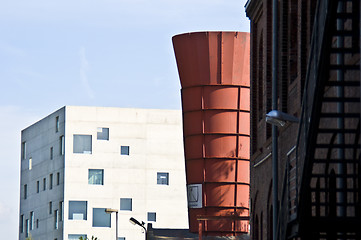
(136, 222)
(279, 118)
(110, 211)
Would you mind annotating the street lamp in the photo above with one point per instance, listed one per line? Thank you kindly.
(279, 118)
(110, 211)
(136, 222)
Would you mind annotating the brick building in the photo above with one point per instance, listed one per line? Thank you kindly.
(318, 82)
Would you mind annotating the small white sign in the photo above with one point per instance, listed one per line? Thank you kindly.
(194, 195)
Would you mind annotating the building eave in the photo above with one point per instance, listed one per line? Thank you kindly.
(252, 8)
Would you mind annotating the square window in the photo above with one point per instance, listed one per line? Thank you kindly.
(82, 144)
(101, 218)
(103, 134)
(95, 176)
(162, 178)
(152, 217)
(78, 210)
(126, 204)
(124, 150)
(62, 145)
(76, 236)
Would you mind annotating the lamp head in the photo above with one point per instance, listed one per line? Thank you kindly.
(134, 221)
(279, 118)
(111, 210)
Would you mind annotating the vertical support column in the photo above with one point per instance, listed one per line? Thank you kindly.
(275, 107)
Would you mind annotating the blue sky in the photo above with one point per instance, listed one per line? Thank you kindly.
(115, 53)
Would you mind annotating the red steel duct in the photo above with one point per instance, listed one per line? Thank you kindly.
(214, 73)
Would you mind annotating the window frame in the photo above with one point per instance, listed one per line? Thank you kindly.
(23, 150)
(32, 220)
(82, 210)
(160, 176)
(82, 149)
(123, 153)
(25, 191)
(50, 207)
(103, 134)
(51, 181)
(56, 219)
(58, 178)
(62, 145)
(30, 163)
(51, 153)
(94, 181)
(151, 214)
(21, 225)
(61, 211)
(27, 228)
(77, 236)
(97, 217)
(44, 184)
(126, 201)
(57, 124)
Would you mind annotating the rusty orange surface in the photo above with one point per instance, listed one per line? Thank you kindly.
(214, 72)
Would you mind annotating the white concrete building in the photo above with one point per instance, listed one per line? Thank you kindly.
(80, 160)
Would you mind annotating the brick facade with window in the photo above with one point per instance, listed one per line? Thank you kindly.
(295, 24)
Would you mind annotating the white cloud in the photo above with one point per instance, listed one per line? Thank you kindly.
(84, 67)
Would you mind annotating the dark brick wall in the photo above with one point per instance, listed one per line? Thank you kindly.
(295, 24)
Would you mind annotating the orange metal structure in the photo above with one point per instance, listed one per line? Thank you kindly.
(214, 73)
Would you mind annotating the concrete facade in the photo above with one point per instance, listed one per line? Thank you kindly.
(138, 166)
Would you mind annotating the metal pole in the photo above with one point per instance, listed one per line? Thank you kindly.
(116, 225)
(274, 107)
(145, 231)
